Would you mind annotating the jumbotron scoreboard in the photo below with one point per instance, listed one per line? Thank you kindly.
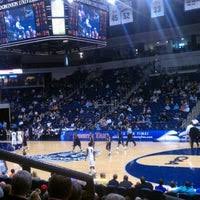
(29, 21)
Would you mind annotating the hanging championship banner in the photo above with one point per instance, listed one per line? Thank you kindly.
(121, 13)
(192, 4)
(157, 8)
(126, 12)
(114, 15)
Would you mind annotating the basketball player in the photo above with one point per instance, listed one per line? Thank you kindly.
(24, 143)
(90, 155)
(14, 138)
(91, 139)
(19, 139)
(120, 137)
(108, 143)
(130, 136)
(76, 142)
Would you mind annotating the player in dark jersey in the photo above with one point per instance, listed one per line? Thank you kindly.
(76, 142)
(24, 142)
(108, 143)
(120, 137)
(91, 139)
(194, 134)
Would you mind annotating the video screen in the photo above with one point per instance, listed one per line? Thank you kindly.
(88, 22)
(20, 23)
(3, 35)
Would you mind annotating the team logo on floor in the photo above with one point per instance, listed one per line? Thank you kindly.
(178, 160)
(62, 156)
(177, 165)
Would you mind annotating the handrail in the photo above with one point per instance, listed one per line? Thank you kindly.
(192, 115)
(27, 163)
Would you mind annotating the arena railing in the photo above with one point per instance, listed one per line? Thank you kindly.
(28, 163)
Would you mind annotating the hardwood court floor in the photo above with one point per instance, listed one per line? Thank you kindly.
(114, 164)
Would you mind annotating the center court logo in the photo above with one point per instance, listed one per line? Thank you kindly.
(60, 156)
(177, 165)
(68, 156)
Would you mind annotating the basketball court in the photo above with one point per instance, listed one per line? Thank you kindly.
(154, 160)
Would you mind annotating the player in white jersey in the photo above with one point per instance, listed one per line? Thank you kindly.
(19, 138)
(14, 138)
(90, 156)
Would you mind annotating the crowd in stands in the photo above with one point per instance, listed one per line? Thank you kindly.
(42, 112)
(79, 103)
(161, 103)
(22, 185)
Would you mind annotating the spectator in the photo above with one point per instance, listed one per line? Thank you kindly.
(143, 184)
(35, 176)
(114, 182)
(43, 188)
(7, 191)
(59, 187)
(160, 187)
(1, 192)
(2, 184)
(102, 180)
(21, 186)
(3, 175)
(76, 191)
(113, 196)
(172, 185)
(125, 183)
(186, 189)
(35, 195)
(44, 192)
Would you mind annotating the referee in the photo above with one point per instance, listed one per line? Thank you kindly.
(130, 136)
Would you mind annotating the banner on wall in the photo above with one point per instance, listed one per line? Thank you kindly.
(121, 13)
(146, 135)
(192, 4)
(157, 8)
